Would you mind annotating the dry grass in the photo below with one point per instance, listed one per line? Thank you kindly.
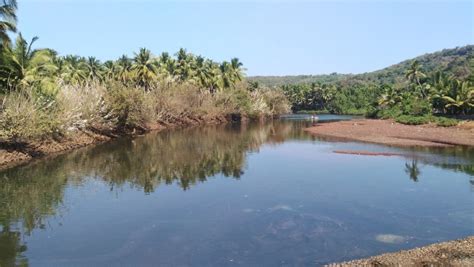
(25, 116)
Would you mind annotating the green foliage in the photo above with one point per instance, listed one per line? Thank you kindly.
(455, 62)
(418, 95)
(47, 95)
(8, 21)
(241, 102)
(412, 120)
(24, 67)
(415, 107)
(127, 106)
(352, 100)
(392, 112)
(446, 122)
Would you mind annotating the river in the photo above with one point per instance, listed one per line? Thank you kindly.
(250, 195)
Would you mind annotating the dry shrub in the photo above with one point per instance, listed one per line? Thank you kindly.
(115, 106)
(181, 102)
(259, 103)
(24, 117)
(84, 107)
(127, 106)
(276, 101)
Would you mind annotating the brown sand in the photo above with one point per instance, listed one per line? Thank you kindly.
(389, 132)
(452, 253)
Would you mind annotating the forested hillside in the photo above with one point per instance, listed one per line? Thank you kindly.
(440, 84)
(452, 62)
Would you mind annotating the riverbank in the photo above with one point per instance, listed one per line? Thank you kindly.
(13, 154)
(451, 253)
(388, 132)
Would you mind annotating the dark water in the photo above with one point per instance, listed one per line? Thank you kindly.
(266, 195)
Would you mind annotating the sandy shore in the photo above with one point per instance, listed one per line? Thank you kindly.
(389, 132)
(451, 253)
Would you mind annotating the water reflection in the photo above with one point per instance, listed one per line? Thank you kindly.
(185, 157)
(412, 170)
(31, 194)
(11, 248)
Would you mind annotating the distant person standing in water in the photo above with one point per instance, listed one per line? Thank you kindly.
(314, 119)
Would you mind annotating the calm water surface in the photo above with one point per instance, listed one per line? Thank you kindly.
(255, 195)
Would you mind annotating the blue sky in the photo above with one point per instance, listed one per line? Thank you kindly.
(269, 37)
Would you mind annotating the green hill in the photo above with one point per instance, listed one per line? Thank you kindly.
(454, 62)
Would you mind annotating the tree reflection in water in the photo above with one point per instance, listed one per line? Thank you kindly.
(32, 193)
(413, 170)
(29, 194)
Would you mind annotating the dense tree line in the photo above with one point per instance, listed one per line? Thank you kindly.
(24, 67)
(330, 98)
(420, 95)
(439, 83)
(45, 94)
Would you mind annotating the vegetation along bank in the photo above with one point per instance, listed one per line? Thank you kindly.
(432, 88)
(51, 102)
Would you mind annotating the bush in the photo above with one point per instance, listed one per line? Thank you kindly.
(372, 112)
(446, 122)
(24, 117)
(412, 120)
(127, 106)
(415, 106)
(276, 101)
(84, 107)
(179, 102)
(392, 112)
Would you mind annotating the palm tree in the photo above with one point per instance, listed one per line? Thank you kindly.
(414, 73)
(94, 69)
(109, 70)
(75, 71)
(166, 65)
(185, 62)
(226, 74)
(144, 68)
(23, 66)
(463, 98)
(441, 86)
(204, 73)
(8, 20)
(60, 64)
(124, 67)
(215, 76)
(390, 97)
(237, 71)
